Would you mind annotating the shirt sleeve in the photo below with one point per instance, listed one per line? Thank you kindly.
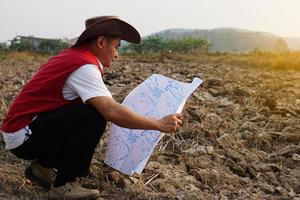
(87, 82)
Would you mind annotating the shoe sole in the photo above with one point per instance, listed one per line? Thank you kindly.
(30, 176)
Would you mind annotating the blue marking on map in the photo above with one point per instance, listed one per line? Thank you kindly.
(132, 137)
(129, 150)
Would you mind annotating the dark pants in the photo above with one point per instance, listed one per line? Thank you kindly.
(65, 139)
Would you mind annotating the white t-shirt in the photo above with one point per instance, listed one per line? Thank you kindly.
(86, 82)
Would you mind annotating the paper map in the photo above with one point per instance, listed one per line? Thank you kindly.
(128, 150)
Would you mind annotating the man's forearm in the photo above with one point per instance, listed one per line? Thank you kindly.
(123, 116)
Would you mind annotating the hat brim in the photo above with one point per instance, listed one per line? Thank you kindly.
(110, 28)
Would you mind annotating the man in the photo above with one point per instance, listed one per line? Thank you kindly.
(58, 118)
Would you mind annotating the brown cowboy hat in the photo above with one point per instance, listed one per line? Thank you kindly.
(111, 26)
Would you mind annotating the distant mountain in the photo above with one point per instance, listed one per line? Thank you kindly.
(233, 39)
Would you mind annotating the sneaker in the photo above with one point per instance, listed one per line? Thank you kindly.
(43, 176)
(72, 190)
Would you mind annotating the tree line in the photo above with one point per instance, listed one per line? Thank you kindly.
(30, 43)
(155, 44)
(152, 44)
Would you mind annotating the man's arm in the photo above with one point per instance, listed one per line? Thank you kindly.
(124, 117)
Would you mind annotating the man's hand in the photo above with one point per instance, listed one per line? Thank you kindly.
(170, 123)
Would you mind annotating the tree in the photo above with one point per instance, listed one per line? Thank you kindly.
(52, 46)
(18, 44)
(3, 47)
(156, 44)
(281, 46)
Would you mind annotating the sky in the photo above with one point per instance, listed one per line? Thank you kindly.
(65, 19)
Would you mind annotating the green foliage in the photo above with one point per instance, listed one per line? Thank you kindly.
(155, 44)
(48, 46)
(52, 46)
(3, 47)
(20, 45)
(233, 40)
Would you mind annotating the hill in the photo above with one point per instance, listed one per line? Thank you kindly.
(231, 39)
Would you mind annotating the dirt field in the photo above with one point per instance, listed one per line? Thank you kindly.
(240, 139)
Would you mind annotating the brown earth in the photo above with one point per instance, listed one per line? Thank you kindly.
(240, 138)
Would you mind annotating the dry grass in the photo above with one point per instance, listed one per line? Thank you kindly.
(22, 56)
(282, 61)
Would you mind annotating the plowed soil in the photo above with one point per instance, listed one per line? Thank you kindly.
(240, 138)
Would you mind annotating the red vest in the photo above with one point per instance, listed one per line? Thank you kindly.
(43, 92)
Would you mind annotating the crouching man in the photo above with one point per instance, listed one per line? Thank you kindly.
(60, 115)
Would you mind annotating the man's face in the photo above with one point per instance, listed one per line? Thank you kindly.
(109, 51)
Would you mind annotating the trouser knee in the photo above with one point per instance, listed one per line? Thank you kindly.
(97, 121)
(91, 124)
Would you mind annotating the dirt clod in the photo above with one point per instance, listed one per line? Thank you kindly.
(240, 137)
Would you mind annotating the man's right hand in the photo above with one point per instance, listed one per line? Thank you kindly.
(170, 123)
